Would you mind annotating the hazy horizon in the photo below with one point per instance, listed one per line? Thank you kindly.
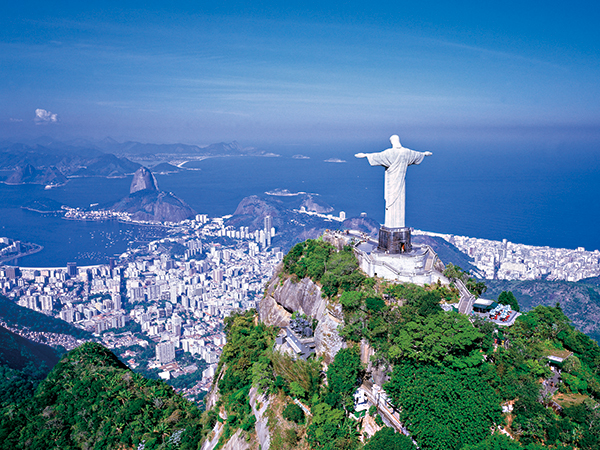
(263, 73)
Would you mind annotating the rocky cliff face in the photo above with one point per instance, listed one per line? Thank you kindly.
(259, 404)
(143, 179)
(239, 440)
(281, 299)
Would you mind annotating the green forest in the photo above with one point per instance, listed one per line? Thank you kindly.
(450, 374)
(90, 400)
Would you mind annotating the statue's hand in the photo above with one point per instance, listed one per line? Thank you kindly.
(361, 155)
(428, 153)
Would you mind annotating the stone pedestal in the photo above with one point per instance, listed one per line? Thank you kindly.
(394, 240)
(420, 265)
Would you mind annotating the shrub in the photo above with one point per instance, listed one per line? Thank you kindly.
(375, 304)
(293, 413)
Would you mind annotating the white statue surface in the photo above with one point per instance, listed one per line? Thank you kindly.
(395, 160)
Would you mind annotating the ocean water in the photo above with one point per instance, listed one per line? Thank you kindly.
(537, 196)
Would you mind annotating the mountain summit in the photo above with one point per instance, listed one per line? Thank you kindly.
(146, 202)
(143, 179)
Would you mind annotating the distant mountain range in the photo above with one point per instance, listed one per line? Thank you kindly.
(132, 149)
(28, 174)
(38, 164)
(49, 162)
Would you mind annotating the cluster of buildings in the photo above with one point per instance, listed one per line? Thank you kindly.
(171, 294)
(503, 260)
(101, 214)
(13, 249)
(298, 338)
(9, 247)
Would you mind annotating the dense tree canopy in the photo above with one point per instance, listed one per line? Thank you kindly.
(451, 372)
(247, 344)
(91, 400)
(388, 439)
(443, 338)
(319, 261)
(343, 377)
(445, 408)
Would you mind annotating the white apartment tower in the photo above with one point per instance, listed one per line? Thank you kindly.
(268, 227)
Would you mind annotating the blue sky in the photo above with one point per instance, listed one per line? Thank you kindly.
(259, 72)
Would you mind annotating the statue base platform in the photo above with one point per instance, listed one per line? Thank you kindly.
(394, 240)
(419, 265)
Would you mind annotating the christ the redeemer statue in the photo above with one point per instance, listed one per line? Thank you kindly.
(395, 160)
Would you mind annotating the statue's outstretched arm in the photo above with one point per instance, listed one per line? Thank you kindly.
(361, 155)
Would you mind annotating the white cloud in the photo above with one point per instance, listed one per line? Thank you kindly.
(15, 120)
(43, 117)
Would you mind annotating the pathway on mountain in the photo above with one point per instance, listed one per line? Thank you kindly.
(465, 305)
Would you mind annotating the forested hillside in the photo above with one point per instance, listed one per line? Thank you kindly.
(449, 374)
(23, 364)
(20, 317)
(90, 400)
(580, 301)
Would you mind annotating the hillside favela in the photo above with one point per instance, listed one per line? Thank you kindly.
(314, 226)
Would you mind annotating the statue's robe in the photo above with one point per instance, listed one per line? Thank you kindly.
(395, 160)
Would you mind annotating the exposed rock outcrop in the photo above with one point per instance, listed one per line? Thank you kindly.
(143, 179)
(213, 438)
(146, 202)
(281, 299)
(259, 404)
(155, 206)
(237, 442)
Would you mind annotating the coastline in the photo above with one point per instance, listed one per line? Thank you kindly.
(37, 248)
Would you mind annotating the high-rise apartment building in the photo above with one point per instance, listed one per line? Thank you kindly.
(72, 269)
(165, 352)
(268, 226)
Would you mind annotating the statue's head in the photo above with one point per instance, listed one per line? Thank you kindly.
(395, 140)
